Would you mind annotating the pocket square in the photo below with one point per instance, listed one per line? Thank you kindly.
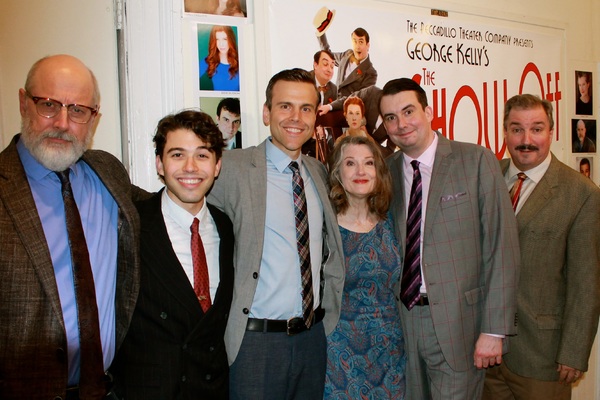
(451, 197)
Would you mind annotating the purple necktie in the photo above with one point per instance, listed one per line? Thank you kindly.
(410, 284)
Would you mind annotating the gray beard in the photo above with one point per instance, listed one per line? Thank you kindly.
(55, 158)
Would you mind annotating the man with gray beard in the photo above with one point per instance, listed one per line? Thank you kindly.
(67, 222)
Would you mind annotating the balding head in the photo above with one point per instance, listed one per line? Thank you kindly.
(57, 139)
(62, 67)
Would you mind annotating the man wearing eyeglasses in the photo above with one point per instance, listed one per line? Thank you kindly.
(50, 347)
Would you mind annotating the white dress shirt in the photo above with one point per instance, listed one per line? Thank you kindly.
(534, 175)
(178, 222)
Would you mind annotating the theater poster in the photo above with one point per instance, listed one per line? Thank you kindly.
(469, 65)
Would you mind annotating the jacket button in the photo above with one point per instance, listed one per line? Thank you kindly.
(58, 398)
(184, 346)
(246, 311)
(255, 275)
(163, 315)
(211, 348)
(208, 377)
(183, 378)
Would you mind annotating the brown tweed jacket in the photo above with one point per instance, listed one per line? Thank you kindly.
(33, 358)
(558, 300)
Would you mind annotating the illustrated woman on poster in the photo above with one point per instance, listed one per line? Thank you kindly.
(220, 69)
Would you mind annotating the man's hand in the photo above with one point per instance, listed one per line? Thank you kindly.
(568, 375)
(488, 351)
(324, 109)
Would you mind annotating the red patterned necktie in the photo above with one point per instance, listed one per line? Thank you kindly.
(515, 191)
(91, 379)
(303, 242)
(410, 285)
(201, 284)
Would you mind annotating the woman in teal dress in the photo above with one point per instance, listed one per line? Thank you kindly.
(365, 352)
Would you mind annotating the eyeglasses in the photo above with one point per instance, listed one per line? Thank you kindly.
(50, 108)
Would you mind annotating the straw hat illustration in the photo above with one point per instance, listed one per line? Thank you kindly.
(323, 19)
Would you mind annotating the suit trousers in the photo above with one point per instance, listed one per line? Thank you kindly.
(428, 374)
(503, 384)
(275, 366)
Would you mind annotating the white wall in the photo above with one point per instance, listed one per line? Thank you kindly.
(32, 29)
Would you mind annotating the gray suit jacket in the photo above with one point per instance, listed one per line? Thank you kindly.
(330, 94)
(363, 76)
(33, 357)
(559, 291)
(240, 191)
(470, 248)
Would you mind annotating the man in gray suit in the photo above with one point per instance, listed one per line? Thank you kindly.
(274, 352)
(464, 248)
(323, 65)
(559, 231)
(355, 70)
(39, 334)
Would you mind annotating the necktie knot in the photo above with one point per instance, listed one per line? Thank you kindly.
(322, 88)
(515, 191)
(415, 164)
(195, 225)
(294, 167)
(63, 176)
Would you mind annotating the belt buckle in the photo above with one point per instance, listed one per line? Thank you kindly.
(295, 325)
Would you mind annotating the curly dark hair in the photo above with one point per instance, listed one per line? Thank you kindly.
(196, 121)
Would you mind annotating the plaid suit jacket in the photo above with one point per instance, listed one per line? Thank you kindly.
(33, 357)
(470, 248)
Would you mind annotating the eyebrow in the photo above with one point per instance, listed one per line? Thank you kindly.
(172, 149)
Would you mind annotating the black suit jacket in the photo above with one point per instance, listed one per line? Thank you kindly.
(173, 350)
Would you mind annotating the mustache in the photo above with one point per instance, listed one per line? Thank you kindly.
(59, 135)
(529, 147)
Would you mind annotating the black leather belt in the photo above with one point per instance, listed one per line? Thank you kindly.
(423, 300)
(291, 326)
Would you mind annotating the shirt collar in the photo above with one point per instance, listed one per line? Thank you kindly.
(182, 217)
(535, 174)
(35, 170)
(428, 156)
(279, 159)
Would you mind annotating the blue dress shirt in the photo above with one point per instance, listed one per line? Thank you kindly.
(99, 215)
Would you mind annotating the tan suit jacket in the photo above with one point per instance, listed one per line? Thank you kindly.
(33, 343)
(559, 291)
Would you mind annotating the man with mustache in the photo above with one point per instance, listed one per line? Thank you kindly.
(559, 235)
(41, 346)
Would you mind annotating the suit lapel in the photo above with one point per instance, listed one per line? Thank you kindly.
(441, 169)
(541, 195)
(16, 195)
(258, 190)
(160, 260)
